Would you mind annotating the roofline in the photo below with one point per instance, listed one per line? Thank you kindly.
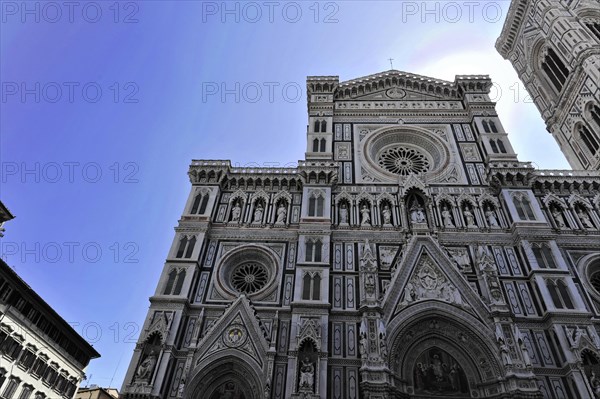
(85, 346)
(4, 209)
(512, 24)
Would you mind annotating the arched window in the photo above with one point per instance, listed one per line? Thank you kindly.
(485, 125)
(315, 147)
(311, 286)
(179, 284)
(306, 282)
(308, 254)
(204, 203)
(594, 27)
(543, 255)
(196, 203)
(323, 126)
(588, 139)
(323, 144)
(559, 292)
(523, 207)
(318, 250)
(316, 294)
(494, 147)
(170, 282)
(182, 245)
(554, 294)
(317, 126)
(555, 69)
(493, 127)
(501, 146)
(190, 247)
(200, 203)
(563, 290)
(314, 250)
(316, 204)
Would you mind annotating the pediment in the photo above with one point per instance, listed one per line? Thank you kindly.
(397, 93)
(397, 85)
(426, 273)
(237, 330)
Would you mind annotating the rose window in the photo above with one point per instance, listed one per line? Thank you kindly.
(403, 161)
(249, 277)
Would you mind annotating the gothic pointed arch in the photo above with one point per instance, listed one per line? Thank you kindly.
(438, 349)
(424, 258)
(234, 350)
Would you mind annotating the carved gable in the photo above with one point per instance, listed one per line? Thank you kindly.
(427, 273)
(238, 330)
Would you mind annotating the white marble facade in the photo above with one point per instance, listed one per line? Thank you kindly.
(411, 257)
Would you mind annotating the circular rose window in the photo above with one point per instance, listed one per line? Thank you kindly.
(249, 277)
(403, 161)
(249, 270)
(396, 152)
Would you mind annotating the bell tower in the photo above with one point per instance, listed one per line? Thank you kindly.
(555, 48)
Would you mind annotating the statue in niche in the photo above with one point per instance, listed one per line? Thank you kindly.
(417, 215)
(447, 217)
(461, 257)
(469, 217)
(307, 374)
(491, 217)
(363, 345)
(487, 266)
(365, 216)
(236, 211)
(387, 216)
(146, 367)
(585, 219)
(258, 213)
(281, 214)
(504, 351)
(383, 348)
(559, 218)
(343, 214)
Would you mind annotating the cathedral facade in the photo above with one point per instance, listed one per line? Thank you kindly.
(410, 255)
(555, 48)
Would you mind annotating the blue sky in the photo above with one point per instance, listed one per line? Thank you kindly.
(104, 106)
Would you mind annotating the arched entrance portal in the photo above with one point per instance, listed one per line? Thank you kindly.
(229, 379)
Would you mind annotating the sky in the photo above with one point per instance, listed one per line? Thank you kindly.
(105, 103)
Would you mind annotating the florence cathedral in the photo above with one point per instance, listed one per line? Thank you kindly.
(410, 255)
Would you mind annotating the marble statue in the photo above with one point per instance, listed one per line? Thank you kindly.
(447, 217)
(585, 219)
(365, 216)
(491, 218)
(469, 217)
(387, 215)
(558, 218)
(146, 367)
(258, 214)
(236, 212)
(343, 213)
(416, 213)
(281, 214)
(307, 374)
